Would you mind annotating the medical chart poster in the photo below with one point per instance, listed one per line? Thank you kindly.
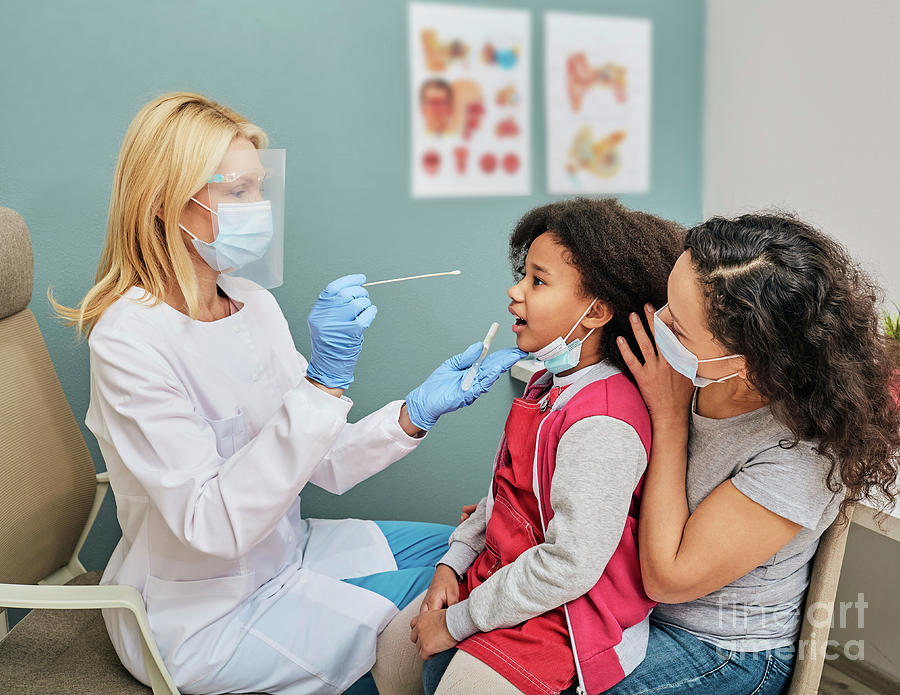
(470, 100)
(597, 72)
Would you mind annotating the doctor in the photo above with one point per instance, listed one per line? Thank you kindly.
(211, 423)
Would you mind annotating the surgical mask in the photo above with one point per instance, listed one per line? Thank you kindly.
(680, 358)
(245, 233)
(559, 356)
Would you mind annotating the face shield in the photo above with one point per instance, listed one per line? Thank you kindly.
(246, 199)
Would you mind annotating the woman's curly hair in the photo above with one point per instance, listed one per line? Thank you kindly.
(805, 317)
(624, 258)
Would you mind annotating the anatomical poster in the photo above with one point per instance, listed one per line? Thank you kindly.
(598, 103)
(470, 99)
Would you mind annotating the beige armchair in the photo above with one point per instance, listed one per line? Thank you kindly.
(823, 584)
(51, 497)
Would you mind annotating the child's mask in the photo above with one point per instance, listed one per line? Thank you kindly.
(558, 356)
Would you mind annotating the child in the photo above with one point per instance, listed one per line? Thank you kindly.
(541, 586)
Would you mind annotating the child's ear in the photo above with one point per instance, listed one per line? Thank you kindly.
(599, 315)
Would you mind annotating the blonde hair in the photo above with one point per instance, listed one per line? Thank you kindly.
(170, 151)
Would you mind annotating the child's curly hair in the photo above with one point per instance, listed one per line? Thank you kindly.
(805, 317)
(624, 258)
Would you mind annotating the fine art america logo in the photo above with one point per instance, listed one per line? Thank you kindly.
(763, 620)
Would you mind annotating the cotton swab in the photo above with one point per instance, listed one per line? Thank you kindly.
(412, 277)
(469, 378)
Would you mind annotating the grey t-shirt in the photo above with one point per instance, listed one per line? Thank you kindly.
(763, 609)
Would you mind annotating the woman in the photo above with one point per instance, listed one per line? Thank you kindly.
(211, 423)
(771, 413)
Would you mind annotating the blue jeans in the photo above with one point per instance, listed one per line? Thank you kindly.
(678, 663)
(433, 670)
(417, 547)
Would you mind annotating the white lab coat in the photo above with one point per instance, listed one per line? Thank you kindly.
(209, 432)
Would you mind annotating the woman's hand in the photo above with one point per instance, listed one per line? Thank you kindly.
(443, 592)
(407, 425)
(666, 392)
(430, 633)
(467, 511)
(336, 324)
(442, 391)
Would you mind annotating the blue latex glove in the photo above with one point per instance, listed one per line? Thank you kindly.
(336, 324)
(442, 391)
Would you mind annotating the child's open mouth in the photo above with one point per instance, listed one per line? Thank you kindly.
(519, 325)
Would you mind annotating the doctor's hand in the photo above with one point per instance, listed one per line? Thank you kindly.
(444, 590)
(430, 634)
(442, 391)
(336, 324)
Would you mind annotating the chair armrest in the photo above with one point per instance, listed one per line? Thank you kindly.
(71, 597)
(91, 597)
(102, 486)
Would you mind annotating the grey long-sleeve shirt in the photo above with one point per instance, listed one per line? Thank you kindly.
(599, 461)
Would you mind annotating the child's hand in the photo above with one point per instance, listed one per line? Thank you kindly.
(467, 511)
(430, 633)
(443, 592)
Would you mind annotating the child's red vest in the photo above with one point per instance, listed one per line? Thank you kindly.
(596, 620)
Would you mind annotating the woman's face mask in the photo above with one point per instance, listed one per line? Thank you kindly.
(680, 358)
(245, 233)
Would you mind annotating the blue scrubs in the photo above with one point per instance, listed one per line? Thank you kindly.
(417, 546)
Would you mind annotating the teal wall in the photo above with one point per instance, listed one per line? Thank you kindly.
(328, 81)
